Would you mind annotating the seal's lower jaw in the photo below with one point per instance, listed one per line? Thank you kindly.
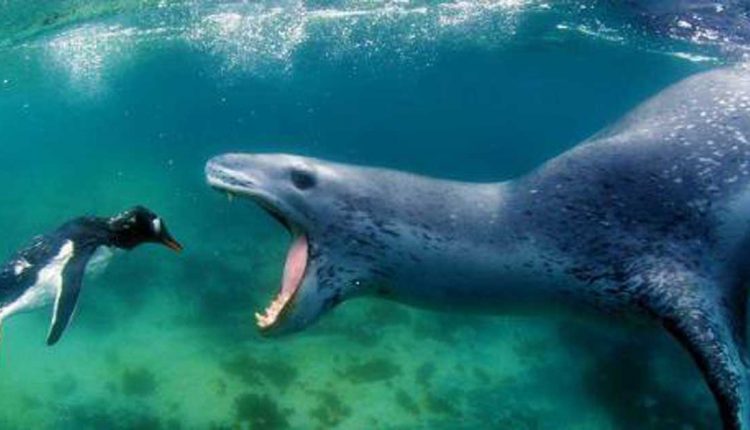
(294, 273)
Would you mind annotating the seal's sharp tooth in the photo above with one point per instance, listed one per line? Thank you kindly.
(273, 310)
(230, 197)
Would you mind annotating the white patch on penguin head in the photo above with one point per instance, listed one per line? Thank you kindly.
(156, 223)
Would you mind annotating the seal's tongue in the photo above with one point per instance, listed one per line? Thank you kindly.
(294, 271)
(294, 268)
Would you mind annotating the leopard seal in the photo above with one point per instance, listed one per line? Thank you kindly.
(649, 219)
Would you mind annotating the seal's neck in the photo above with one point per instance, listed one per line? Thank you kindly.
(466, 246)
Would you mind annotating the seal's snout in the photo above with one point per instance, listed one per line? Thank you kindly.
(220, 166)
(230, 172)
(228, 161)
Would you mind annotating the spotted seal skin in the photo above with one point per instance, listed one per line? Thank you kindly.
(647, 219)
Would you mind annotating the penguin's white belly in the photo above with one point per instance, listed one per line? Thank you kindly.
(47, 286)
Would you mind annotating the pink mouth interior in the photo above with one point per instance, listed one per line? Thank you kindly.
(294, 268)
(294, 272)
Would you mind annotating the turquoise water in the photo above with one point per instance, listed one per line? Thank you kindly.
(107, 106)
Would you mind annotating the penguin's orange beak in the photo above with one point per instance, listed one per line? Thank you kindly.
(166, 239)
(172, 244)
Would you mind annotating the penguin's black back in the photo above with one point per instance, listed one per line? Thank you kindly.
(86, 233)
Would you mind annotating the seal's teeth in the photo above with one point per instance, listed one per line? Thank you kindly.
(230, 197)
(271, 313)
(262, 321)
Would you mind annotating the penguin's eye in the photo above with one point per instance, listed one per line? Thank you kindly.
(302, 179)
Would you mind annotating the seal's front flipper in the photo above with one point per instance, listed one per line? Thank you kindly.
(67, 295)
(708, 322)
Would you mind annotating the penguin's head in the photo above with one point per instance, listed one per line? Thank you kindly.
(140, 225)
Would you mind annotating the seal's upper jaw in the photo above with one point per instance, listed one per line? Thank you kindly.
(262, 178)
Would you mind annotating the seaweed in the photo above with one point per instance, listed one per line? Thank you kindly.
(94, 416)
(146, 422)
(87, 417)
(173, 424)
(331, 411)
(367, 335)
(440, 405)
(30, 402)
(252, 371)
(482, 375)
(424, 374)
(260, 412)
(407, 402)
(374, 370)
(507, 408)
(139, 382)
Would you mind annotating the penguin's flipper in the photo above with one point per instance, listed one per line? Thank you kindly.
(708, 320)
(67, 296)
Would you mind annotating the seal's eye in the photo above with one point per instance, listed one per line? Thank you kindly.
(302, 179)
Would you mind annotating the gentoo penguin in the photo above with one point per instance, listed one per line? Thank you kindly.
(51, 268)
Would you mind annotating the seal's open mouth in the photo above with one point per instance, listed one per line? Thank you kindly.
(298, 255)
(294, 273)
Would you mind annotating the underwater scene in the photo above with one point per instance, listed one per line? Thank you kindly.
(109, 105)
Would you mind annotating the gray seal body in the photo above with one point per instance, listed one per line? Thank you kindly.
(647, 219)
